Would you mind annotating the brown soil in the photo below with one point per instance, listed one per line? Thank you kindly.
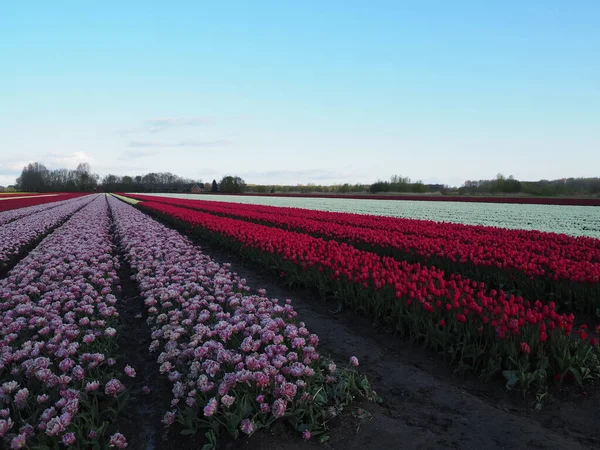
(425, 405)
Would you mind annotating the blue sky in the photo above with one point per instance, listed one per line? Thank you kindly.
(303, 91)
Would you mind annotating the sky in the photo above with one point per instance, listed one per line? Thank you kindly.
(286, 92)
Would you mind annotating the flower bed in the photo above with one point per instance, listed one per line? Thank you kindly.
(9, 204)
(57, 339)
(567, 201)
(19, 194)
(478, 329)
(237, 361)
(14, 214)
(17, 236)
(562, 268)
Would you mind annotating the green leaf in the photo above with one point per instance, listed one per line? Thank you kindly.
(512, 378)
(188, 432)
(577, 375)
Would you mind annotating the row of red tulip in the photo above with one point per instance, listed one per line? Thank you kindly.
(18, 194)
(563, 267)
(30, 200)
(438, 198)
(451, 312)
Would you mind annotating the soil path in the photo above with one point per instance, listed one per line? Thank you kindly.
(141, 422)
(425, 405)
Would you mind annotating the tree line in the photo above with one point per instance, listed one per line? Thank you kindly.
(36, 177)
(545, 188)
(395, 184)
(167, 182)
(501, 185)
(150, 182)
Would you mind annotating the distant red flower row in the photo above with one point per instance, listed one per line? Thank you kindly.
(535, 253)
(18, 194)
(10, 203)
(444, 198)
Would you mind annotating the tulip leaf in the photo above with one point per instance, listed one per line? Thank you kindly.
(577, 375)
(512, 378)
(187, 432)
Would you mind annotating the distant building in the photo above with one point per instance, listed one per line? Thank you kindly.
(196, 189)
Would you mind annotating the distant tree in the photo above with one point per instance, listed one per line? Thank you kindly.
(418, 187)
(150, 178)
(232, 185)
(110, 179)
(379, 186)
(399, 184)
(344, 188)
(33, 178)
(511, 185)
(85, 180)
(215, 186)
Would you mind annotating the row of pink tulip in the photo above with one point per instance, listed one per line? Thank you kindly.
(14, 214)
(58, 383)
(18, 202)
(17, 235)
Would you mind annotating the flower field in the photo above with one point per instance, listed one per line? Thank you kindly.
(226, 360)
(58, 320)
(237, 361)
(540, 265)
(7, 203)
(518, 200)
(487, 331)
(571, 220)
(17, 194)
(22, 232)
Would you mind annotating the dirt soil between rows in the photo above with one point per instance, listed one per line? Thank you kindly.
(425, 406)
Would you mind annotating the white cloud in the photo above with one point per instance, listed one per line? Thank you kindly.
(138, 154)
(18, 165)
(6, 180)
(166, 123)
(67, 160)
(161, 124)
(186, 143)
(302, 176)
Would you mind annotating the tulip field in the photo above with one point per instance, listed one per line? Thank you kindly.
(236, 360)
(572, 220)
(565, 268)
(22, 201)
(514, 307)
